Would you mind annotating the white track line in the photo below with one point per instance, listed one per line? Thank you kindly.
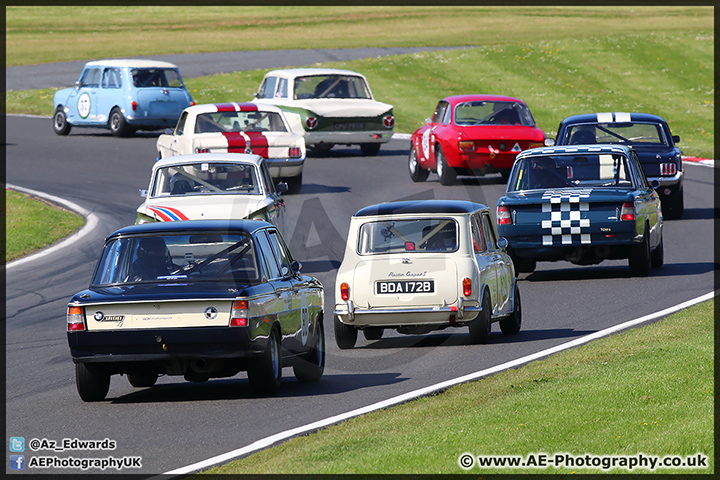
(278, 437)
(91, 221)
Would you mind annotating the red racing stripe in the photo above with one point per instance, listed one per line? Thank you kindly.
(237, 143)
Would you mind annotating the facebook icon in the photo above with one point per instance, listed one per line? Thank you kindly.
(17, 462)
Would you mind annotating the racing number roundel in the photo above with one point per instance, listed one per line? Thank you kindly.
(83, 105)
(426, 143)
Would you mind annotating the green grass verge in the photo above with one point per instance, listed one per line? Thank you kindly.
(648, 390)
(560, 61)
(31, 224)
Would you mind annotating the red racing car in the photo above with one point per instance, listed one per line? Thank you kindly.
(472, 135)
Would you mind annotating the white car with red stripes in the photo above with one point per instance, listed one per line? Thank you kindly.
(239, 128)
(212, 186)
(424, 265)
(329, 107)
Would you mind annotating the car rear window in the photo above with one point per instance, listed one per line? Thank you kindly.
(255, 121)
(156, 77)
(173, 259)
(408, 236)
(486, 112)
(628, 133)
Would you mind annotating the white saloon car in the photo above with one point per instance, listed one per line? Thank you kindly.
(239, 128)
(212, 186)
(419, 266)
(329, 107)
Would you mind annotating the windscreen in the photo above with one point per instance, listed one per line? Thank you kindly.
(205, 178)
(206, 257)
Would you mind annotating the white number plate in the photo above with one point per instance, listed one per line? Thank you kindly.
(405, 286)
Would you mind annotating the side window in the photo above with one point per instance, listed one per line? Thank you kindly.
(270, 262)
(111, 78)
(446, 117)
(266, 178)
(91, 77)
(267, 89)
(281, 252)
(489, 232)
(282, 89)
(479, 243)
(439, 112)
(179, 129)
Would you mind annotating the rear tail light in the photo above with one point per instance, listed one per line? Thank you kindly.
(389, 121)
(75, 319)
(628, 212)
(466, 145)
(239, 314)
(294, 152)
(536, 144)
(311, 122)
(503, 216)
(467, 286)
(202, 150)
(668, 169)
(134, 105)
(193, 103)
(344, 291)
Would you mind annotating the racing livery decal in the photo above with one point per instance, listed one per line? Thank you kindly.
(167, 214)
(565, 209)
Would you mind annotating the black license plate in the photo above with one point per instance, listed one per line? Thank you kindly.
(405, 286)
(349, 126)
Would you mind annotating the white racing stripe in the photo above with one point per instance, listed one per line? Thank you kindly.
(311, 427)
(91, 221)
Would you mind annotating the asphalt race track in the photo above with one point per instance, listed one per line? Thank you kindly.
(177, 423)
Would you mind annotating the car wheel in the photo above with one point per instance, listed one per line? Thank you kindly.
(417, 173)
(92, 382)
(370, 149)
(373, 333)
(447, 174)
(657, 257)
(523, 265)
(118, 125)
(294, 184)
(142, 380)
(265, 373)
(673, 207)
(345, 335)
(511, 325)
(60, 123)
(310, 368)
(480, 327)
(639, 260)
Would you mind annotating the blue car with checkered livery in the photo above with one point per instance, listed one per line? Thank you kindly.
(583, 204)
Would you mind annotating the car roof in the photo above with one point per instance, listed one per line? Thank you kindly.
(160, 228)
(132, 62)
(232, 106)
(455, 99)
(573, 149)
(610, 117)
(302, 72)
(420, 206)
(209, 157)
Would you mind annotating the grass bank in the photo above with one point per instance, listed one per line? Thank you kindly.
(648, 390)
(32, 224)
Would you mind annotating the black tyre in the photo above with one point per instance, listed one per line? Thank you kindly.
(60, 123)
(373, 333)
(92, 382)
(417, 173)
(639, 260)
(446, 174)
(294, 184)
(265, 373)
(345, 335)
(657, 257)
(523, 265)
(370, 149)
(673, 207)
(311, 367)
(142, 380)
(511, 325)
(480, 327)
(118, 125)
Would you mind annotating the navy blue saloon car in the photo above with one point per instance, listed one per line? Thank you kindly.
(583, 204)
(202, 299)
(650, 137)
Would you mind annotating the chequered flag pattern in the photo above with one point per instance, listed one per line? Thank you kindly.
(564, 209)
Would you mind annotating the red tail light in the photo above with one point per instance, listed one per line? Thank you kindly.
(628, 212)
(503, 216)
(668, 169)
(389, 121)
(202, 150)
(239, 314)
(466, 145)
(193, 103)
(311, 122)
(294, 152)
(467, 286)
(75, 319)
(344, 291)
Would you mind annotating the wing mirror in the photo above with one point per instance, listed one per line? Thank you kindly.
(549, 142)
(502, 243)
(655, 184)
(143, 192)
(676, 138)
(282, 187)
